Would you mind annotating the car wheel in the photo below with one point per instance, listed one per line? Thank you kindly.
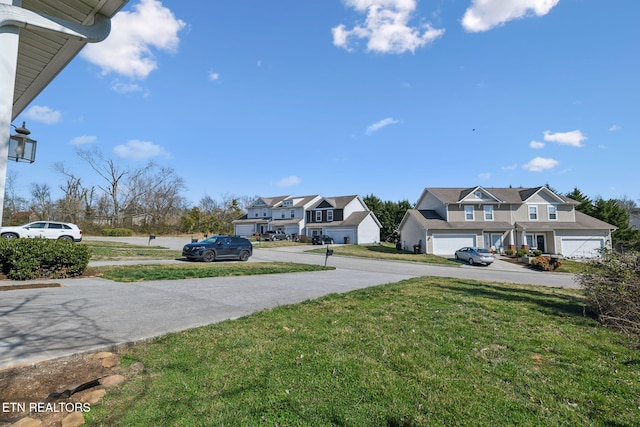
(67, 238)
(456, 257)
(209, 256)
(471, 261)
(9, 236)
(244, 256)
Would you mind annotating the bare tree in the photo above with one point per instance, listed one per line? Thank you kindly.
(110, 172)
(13, 202)
(41, 200)
(73, 206)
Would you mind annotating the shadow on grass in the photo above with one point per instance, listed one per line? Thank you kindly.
(386, 250)
(551, 303)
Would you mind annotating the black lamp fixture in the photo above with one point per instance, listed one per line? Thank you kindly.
(21, 147)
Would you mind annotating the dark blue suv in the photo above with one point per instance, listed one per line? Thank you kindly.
(219, 247)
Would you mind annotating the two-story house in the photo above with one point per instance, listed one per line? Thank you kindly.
(446, 219)
(346, 219)
(282, 213)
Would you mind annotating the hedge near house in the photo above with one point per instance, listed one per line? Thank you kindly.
(24, 259)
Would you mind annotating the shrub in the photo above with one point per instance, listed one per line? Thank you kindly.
(304, 239)
(508, 252)
(117, 232)
(521, 252)
(612, 290)
(24, 259)
(537, 252)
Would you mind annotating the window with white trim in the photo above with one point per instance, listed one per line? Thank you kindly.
(330, 215)
(318, 216)
(533, 213)
(488, 213)
(282, 214)
(553, 212)
(293, 213)
(468, 213)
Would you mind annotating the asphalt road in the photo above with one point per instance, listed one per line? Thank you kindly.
(93, 314)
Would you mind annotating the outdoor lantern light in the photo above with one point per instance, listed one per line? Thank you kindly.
(21, 147)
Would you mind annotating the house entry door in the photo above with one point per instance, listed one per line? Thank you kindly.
(540, 242)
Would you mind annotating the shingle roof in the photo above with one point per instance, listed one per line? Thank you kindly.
(505, 195)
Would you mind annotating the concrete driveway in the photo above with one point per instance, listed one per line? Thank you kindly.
(91, 314)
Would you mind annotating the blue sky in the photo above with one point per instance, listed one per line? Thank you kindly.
(339, 97)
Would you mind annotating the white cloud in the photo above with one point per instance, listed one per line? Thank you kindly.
(139, 150)
(536, 145)
(484, 176)
(122, 87)
(540, 164)
(213, 76)
(573, 138)
(509, 167)
(128, 49)
(614, 128)
(484, 15)
(289, 181)
(83, 140)
(42, 114)
(386, 27)
(379, 125)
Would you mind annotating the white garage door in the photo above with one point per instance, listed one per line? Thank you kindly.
(244, 229)
(447, 244)
(581, 247)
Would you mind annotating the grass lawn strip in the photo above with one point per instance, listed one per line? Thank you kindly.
(384, 251)
(422, 352)
(136, 273)
(104, 250)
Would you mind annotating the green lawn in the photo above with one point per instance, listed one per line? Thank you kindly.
(384, 251)
(102, 251)
(192, 270)
(422, 352)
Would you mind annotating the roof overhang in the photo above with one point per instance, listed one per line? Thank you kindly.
(44, 49)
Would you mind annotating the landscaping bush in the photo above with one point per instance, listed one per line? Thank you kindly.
(24, 259)
(521, 253)
(612, 289)
(537, 252)
(544, 263)
(509, 252)
(117, 232)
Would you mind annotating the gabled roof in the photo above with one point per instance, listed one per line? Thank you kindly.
(518, 195)
(269, 201)
(352, 220)
(42, 54)
(336, 202)
(301, 201)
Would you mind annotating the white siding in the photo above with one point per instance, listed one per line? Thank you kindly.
(243, 229)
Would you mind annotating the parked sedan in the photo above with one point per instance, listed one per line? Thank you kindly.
(219, 247)
(322, 239)
(43, 229)
(475, 255)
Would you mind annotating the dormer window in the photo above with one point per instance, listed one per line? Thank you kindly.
(287, 203)
(478, 194)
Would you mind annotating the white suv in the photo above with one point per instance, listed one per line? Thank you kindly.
(43, 229)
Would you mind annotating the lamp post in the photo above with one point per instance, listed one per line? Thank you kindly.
(21, 147)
